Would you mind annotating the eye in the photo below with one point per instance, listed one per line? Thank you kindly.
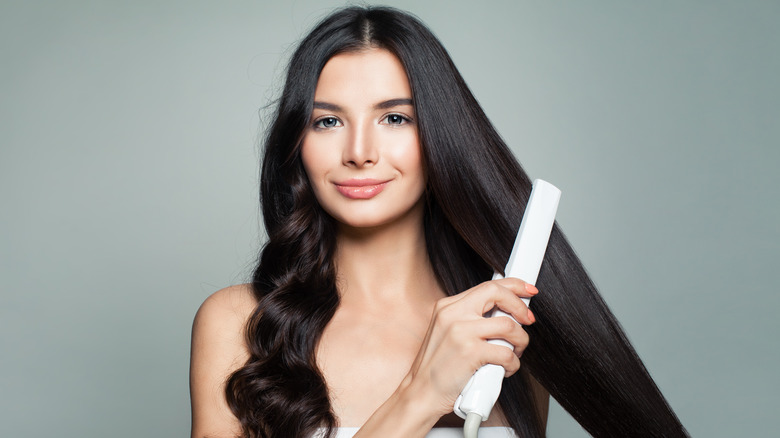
(396, 119)
(327, 123)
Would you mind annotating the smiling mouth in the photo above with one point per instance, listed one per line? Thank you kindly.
(361, 189)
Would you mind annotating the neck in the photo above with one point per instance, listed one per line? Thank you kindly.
(384, 263)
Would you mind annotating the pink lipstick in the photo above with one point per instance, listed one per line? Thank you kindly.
(361, 188)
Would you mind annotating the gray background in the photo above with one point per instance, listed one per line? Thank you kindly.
(128, 162)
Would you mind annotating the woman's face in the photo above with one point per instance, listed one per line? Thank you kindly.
(361, 151)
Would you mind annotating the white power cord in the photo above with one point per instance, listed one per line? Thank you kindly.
(471, 426)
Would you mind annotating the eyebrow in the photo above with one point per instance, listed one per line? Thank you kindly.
(392, 102)
(381, 105)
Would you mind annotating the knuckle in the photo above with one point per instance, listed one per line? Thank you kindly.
(469, 347)
(515, 364)
(515, 283)
(489, 287)
(506, 325)
(523, 341)
(457, 331)
(507, 356)
(466, 348)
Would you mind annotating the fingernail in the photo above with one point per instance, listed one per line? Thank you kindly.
(531, 316)
(531, 288)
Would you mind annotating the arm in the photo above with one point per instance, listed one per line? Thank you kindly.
(455, 346)
(218, 349)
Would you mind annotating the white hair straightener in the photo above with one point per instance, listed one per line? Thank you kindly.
(481, 392)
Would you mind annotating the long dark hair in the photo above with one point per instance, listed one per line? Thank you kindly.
(578, 350)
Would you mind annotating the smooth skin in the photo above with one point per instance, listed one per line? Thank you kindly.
(398, 351)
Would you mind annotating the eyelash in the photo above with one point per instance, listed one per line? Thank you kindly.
(403, 118)
(318, 124)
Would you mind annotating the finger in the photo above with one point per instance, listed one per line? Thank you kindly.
(501, 327)
(501, 356)
(495, 294)
(518, 286)
(472, 335)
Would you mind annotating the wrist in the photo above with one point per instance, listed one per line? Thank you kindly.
(409, 412)
(421, 402)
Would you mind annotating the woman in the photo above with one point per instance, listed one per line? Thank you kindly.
(389, 199)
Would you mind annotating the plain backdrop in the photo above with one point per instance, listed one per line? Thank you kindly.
(128, 187)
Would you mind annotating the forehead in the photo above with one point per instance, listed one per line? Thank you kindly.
(367, 76)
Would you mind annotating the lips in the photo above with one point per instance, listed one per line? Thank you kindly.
(361, 188)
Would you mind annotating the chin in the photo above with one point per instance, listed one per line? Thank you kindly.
(371, 218)
(365, 222)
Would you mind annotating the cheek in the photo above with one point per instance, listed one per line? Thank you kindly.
(408, 157)
(313, 160)
(313, 172)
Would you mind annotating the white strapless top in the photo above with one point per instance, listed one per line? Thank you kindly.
(440, 432)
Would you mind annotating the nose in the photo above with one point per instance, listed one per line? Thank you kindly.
(361, 149)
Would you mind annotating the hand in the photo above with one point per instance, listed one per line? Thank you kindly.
(456, 346)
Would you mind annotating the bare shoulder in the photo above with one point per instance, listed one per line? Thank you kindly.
(221, 319)
(227, 308)
(218, 329)
(218, 349)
